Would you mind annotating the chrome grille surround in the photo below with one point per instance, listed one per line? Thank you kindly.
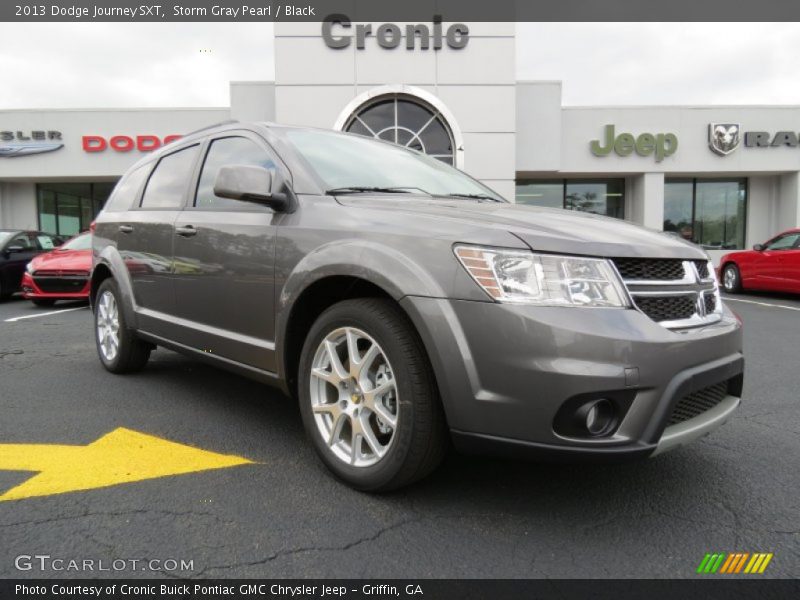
(678, 303)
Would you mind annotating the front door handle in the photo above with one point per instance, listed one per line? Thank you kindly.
(186, 231)
(125, 229)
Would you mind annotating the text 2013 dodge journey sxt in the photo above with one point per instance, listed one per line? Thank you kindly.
(406, 305)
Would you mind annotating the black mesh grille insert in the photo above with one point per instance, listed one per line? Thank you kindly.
(55, 285)
(667, 308)
(650, 269)
(697, 403)
(702, 268)
(711, 303)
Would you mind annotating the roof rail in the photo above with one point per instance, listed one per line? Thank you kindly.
(207, 127)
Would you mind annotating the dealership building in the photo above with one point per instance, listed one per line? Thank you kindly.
(724, 176)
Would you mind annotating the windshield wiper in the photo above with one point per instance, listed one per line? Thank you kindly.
(358, 189)
(475, 196)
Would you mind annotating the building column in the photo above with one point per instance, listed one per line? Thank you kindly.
(645, 203)
(788, 201)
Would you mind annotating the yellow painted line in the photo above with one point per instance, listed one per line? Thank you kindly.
(752, 562)
(727, 563)
(764, 564)
(122, 456)
(44, 314)
(757, 564)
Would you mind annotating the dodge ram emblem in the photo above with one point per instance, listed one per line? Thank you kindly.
(723, 138)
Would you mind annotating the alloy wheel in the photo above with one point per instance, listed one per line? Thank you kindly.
(729, 279)
(354, 397)
(108, 326)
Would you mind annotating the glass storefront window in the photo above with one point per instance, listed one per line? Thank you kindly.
(709, 212)
(598, 196)
(66, 209)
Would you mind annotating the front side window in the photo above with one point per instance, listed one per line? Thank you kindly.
(784, 242)
(167, 184)
(708, 212)
(127, 190)
(228, 151)
(79, 242)
(598, 196)
(346, 161)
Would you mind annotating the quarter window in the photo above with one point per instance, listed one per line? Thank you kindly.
(228, 151)
(598, 196)
(167, 184)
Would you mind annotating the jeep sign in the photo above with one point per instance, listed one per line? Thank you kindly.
(659, 145)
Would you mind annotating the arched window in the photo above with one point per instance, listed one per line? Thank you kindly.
(407, 121)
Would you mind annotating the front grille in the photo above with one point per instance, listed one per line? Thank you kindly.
(60, 285)
(702, 268)
(667, 308)
(710, 302)
(650, 269)
(697, 403)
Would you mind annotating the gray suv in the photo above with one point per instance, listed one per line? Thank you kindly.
(407, 306)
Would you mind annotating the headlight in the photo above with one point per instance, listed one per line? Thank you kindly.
(28, 268)
(543, 279)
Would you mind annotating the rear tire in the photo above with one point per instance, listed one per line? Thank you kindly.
(119, 349)
(376, 421)
(731, 279)
(43, 302)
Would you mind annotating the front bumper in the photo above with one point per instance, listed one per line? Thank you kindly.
(506, 372)
(61, 288)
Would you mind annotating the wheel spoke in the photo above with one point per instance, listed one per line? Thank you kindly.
(336, 364)
(364, 364)
(387, 417)
(337, 424)
(372, 441)
(328, 376)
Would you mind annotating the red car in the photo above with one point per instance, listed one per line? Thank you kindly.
(773, 266)
(62, 274)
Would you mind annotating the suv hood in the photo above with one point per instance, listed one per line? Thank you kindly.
(543, 229)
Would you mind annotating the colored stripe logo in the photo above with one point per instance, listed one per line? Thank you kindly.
(734, 563)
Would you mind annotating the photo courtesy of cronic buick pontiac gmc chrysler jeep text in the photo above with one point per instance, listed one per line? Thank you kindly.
(406, 305)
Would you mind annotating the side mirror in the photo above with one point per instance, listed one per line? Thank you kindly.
(251, 184)
(759, 247)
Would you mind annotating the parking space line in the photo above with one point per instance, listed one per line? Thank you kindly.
(45, 314)
(769, 304)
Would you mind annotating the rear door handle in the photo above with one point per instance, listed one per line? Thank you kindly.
(125, 229)
(186, 231)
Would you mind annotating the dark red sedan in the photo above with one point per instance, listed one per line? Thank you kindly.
(773, 266)
(62, 274)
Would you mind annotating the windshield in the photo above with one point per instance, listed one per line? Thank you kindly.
(79, 242)
(350, 163)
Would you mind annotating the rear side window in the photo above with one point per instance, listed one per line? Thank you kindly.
(168, 182)
(127, 190)
(228, 151)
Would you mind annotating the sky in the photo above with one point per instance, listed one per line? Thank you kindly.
(68, 65)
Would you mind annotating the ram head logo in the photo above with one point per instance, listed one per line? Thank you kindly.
(723, 138)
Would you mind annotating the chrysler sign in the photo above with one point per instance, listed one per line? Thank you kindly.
(24, 143)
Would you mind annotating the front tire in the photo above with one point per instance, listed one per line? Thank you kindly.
(119, 349)
(731, 279)
(368, 397)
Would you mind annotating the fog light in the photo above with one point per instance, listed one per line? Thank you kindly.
(599, 417)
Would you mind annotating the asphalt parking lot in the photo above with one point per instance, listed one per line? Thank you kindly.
(281, 515)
